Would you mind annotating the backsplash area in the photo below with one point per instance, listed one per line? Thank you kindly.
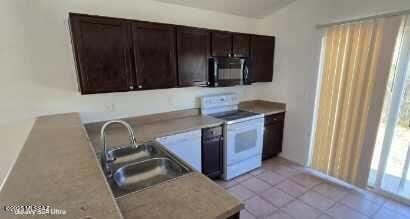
(120, 105)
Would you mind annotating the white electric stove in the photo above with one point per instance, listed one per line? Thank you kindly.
(243, 133)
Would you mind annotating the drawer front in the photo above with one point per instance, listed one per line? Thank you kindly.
(274, 118)
(212, 132)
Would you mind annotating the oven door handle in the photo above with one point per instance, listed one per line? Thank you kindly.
(238, 129)
(247, 126)
(234, 129)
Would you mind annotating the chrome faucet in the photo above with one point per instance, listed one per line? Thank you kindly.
(106, 159)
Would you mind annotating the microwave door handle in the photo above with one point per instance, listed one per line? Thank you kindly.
(244, 73)
(215, 72)
(246, 76)
(201, 83)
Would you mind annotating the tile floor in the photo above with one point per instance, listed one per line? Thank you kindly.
(281, 189)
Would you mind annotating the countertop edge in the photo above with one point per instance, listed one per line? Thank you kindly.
(274, 112)
(264, 107)
(234, 206)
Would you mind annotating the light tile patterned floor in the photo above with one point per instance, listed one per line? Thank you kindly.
(281, 189)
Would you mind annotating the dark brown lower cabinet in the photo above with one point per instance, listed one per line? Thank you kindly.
(212, 152)
(273, 135)
(235, 216)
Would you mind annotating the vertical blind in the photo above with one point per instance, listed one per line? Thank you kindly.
(350, 67)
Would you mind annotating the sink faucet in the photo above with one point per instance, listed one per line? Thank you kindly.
(106, 159)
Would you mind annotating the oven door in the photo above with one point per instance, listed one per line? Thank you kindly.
(244, 140)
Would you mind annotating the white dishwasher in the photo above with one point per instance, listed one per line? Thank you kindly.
(187, 146)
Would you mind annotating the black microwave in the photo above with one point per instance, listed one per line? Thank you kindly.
(228, 71)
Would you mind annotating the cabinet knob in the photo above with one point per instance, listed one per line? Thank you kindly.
(139, 86)
(131, 87)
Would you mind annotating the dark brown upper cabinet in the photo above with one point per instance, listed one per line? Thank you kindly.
(221, 43)
(193, 50)
(154, 55)
(102, 51)
(262, 53)
(114, 54)
(240, 45)
(230, 44)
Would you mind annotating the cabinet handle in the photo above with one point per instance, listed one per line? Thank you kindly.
(139, 86)
(131, 87)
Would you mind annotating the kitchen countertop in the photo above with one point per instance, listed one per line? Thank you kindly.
(187, 197)
(148, 128)
(263, 106)
(57, 167)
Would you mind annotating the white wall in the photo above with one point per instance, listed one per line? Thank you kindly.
(38, 73)
(297, 59)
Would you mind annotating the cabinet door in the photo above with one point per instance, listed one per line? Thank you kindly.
(272, 139)
(154, 55)
(102, 49)
(193, 47)
(212, 155)
(240, 47)
(262, 53)
(221, 43)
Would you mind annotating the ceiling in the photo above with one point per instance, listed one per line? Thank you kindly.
(246, 8)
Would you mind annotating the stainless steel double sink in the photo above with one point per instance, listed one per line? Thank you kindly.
(135, 168)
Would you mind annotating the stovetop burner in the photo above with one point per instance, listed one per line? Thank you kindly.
(234, 115)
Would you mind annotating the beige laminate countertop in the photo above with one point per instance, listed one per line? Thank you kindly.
(262, 106)
(57, 167)
(147, 128)
(192, 196)
(187, 197)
